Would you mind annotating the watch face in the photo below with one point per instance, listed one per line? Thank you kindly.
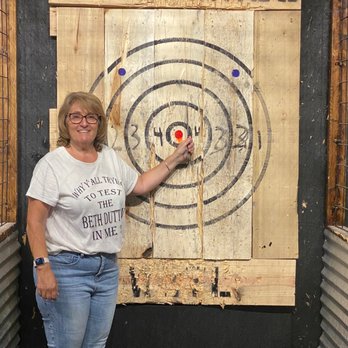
(39, 261)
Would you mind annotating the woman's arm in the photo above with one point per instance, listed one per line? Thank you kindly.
(153, 177)
(38, 212)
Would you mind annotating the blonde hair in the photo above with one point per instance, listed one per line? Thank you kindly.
(92, 104)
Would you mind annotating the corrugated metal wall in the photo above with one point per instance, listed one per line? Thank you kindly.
(9, 298)
(334, 287)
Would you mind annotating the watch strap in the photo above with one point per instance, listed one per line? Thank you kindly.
(40, 261)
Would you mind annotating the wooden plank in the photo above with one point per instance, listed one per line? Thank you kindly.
(80, 50)
(53, 21)
(275, 220)
(12, 99)
(229, 237)
(254, 282)
(336, 174)
(188, 4)
(5, 146)
(53, 128)
(129, 26)
(181, 234)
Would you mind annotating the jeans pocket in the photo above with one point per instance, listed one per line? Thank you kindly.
(65, 258)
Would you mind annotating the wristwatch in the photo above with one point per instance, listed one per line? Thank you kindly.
(41, 261)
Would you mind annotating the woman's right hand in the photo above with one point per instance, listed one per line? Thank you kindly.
(47, 286)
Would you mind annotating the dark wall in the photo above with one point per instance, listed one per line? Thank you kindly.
(36, 94)
(190, 326)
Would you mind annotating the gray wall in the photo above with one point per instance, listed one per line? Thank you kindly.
(191, 326)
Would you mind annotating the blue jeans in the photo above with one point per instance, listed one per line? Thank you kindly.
(82, 314)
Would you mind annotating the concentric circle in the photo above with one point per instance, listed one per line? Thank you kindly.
(227, 142)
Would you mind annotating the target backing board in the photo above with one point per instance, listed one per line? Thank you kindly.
(230, 80)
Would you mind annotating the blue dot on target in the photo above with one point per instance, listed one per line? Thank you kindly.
(122, 71)
(235, 73)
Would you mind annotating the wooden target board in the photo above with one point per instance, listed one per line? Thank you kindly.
(223, 77)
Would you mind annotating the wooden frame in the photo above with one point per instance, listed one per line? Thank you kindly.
(268, 278)
(12, 165)
(11, 184)
(336, 179)
(188, 4)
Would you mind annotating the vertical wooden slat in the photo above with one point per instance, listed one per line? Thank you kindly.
(53, 128)
(124, 30)
(80, 48)
(229, 238)
(277, 54)
(170, 242)
(336, 153)
(53, 21)
(4, 112)
(12, 96)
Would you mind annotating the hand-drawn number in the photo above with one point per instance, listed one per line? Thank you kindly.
(222, 141)
(158, 134)
(197, 131)
(243, 137)
(115, 137)
(135, 136)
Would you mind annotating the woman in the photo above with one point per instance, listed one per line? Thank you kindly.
(76, 208)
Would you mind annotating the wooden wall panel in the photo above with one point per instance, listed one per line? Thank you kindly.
(231, 80)
(80, 49)
(336, 149)
(254, 282)
(230, 236)
(54, 133)
(12, 99)
(277, 52)
(175, 241)
(195, 4)
(172, 78)
(123, 30)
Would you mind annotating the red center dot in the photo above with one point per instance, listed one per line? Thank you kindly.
(178, 134)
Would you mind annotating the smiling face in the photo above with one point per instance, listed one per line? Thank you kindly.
(82, 135)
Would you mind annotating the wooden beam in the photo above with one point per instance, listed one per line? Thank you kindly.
(12, 99)
(336, 153)
(277, 75)
(187, 4)
(53, 119)
(53, 21)
(254, 282)
(80, 48)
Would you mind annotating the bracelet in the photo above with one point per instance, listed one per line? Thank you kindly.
(166, 164)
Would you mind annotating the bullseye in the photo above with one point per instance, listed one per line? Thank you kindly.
(178, 135)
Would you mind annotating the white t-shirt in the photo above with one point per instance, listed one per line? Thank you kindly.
(88, 200)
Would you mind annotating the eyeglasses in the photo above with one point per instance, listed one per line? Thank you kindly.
(77, 118)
